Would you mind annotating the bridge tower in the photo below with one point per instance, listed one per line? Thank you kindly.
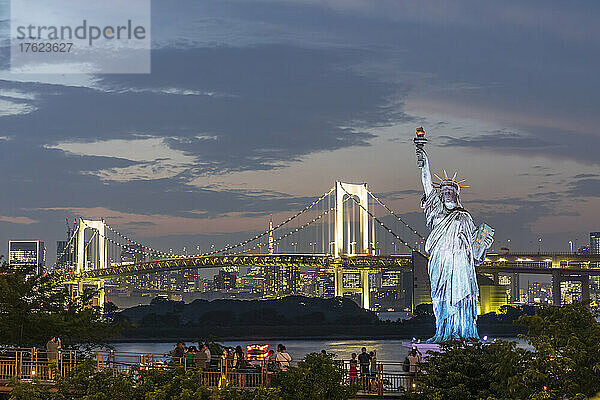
(342, 190)
(81, 265)
(351, 189)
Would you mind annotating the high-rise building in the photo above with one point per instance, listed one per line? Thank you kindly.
(225, 280)
(281, 280)
(595, 242)
(26, 253)
(132, 253)
(65, 257)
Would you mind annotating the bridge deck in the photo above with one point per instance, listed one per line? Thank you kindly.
(509, 263)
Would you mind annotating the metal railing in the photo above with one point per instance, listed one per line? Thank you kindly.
(385, 377)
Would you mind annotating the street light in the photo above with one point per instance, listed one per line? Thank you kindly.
(571, 244)
(539, 245)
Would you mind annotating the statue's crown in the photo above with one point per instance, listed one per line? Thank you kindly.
(451, 183)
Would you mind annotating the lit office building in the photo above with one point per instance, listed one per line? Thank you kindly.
(25, 253)
(281, 280)
(539, 293)
(225, 280)
(65, 256)
(570, 291)
(595, 242)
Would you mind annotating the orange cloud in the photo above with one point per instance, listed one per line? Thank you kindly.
(157, 225)
(18, 220)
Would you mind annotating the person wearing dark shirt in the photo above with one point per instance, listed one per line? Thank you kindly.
(364, 359)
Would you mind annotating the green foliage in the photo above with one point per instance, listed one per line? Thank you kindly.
(87, 384)
(35, 307)
(317, 377)
(467, 370)
(565, 364)
(29, 390)
(83, 383)
(567, 343)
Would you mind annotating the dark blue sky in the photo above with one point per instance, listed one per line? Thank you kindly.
(255, 107)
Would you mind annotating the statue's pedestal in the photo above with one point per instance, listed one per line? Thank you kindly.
(424, 348)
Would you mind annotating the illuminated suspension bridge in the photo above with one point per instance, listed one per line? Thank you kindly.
(347, 230)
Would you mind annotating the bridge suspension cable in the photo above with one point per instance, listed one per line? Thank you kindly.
(395, 215)
(228, 248)
(296, 230)
(404, 242)
(245, 242)
(67, 246)
(150, 249)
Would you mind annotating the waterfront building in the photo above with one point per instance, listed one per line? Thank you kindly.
(595, 242)
(132, 253)
(281, 280)
(65, 256)
(570, 291)
(25, 253)
(539, 293)
(225, 280)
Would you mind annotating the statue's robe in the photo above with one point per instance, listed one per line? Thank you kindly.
(454, 290)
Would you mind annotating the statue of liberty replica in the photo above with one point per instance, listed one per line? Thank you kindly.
(455, 246)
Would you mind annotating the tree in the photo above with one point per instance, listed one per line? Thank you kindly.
(317, 377)
(567, 343)
(35, 306)
(465, 370)
(565, 363)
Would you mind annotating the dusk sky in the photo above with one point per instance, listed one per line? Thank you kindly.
(257, 107)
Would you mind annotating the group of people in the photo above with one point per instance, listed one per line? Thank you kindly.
(366, 365)
(235, 357)
(192, 356)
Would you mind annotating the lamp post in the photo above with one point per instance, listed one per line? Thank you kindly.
(539, 245)
(571, 245)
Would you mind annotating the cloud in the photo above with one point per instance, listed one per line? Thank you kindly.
(589, 187)
(499, 140)
(18, 220)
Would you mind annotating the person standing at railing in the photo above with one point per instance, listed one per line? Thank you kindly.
(206, 349)
(270, 367)
(201, 360)
(353, 371)
(240, 365)
(414, 358)
(364, 360)
(52, 348)
(373, 369)
(283, 358)
(189, 356)
(179, 351)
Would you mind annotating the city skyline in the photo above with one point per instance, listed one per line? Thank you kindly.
(255, 108)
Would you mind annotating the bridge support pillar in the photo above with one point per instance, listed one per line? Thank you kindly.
(338, 279)
(366, 292)
(515, 291)
(101, 296)
(359, 190)
(585, 287)
(556, 278)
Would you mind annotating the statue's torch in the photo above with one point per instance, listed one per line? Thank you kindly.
(420, 142)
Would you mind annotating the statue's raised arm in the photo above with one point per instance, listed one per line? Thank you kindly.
(425, 173)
